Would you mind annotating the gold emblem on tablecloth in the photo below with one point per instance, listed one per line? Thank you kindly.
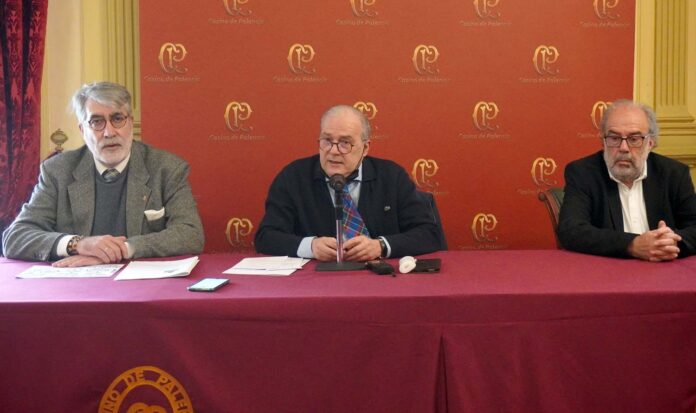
(424, 58)
(170, 57)
(233, 9)
(484, 8)
(238, 231)
(422, 173)
(544, 57)
(482, 226)
(484, 113)
(126, 386)
(361, 8)
(235, 113)
(367, 108)
(597, 112)
(603, 9)
(542, 168)
(299, 56)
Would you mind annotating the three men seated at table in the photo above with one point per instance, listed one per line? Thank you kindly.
(384, 216)
(626, 201)
(112, 199)
(116, 198)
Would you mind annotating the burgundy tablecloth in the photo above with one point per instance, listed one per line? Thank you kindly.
(495, 331)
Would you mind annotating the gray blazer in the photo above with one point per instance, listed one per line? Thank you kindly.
(63, 203)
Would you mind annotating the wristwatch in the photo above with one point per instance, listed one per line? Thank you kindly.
(383, 246)
(72, 244)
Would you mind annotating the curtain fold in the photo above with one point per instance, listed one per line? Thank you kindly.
(22, 38)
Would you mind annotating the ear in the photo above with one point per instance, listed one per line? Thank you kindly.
(366, 147)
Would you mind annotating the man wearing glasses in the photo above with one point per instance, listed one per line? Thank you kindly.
(626, 201)
(389, 218)
(112, 199)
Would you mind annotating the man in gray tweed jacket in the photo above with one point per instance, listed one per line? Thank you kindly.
(110, 200)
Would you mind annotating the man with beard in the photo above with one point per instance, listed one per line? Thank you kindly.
(626, 201)
(112, 199)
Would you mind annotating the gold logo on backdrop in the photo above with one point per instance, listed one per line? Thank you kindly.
(125, 387)
(361, 8)
(482, 226)
(424, 58)
(233, 9)
(170, 55)
(235, 113)
(298, 56)
(238, 231)
(542, 169)
(367, 108)
(422, 172)
(483, 8)
(484, 113)
(603, 9)
(597, 112)
(544, 57)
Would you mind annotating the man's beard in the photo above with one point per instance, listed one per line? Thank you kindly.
(622, 173)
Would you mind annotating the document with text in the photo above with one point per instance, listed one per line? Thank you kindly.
(144, 270)
(90, 271)
(278, 266)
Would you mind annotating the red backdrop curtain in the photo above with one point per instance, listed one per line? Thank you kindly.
(22, 34)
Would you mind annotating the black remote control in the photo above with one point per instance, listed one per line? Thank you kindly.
(380, 267)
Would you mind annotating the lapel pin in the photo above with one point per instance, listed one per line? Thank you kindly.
(387, 208)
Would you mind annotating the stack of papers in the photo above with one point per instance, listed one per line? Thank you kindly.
(267, 266)
(143, 270)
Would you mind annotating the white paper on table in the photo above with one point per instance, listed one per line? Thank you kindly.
(278, 266)
(145, 270)
(90, 271)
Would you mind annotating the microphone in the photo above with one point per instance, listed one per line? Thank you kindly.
(337, 182)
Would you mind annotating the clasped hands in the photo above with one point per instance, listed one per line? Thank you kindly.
(101, 249)
(360, 248)
(657, 245)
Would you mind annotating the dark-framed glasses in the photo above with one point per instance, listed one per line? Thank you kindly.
(98, 123)
(633, 141)
(344, 147)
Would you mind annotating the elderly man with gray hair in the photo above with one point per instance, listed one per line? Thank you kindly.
(626, 201)
(112, 199)
(384, 215)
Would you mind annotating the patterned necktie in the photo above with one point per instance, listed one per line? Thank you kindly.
(353, 224)
(110, 175)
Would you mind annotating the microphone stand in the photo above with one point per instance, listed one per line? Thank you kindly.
(339, 265)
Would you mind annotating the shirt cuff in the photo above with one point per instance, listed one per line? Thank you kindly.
(62, 246)
(388, 247)
(305, 248)
(131, 250)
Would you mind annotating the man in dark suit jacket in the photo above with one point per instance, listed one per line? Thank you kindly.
(109, 200)
(626, 201)
(300, 219)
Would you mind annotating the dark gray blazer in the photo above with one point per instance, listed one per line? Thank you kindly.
(591, 220)
(299, 205)
(63, 203)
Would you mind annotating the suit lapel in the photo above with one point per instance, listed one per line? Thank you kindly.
(138, 193)
(651, 195)
(81, 194)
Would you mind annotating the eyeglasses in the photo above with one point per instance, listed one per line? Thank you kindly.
(633, 141)
(344, 147)
(98, 123)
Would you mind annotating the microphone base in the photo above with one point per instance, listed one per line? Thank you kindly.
(340, 266)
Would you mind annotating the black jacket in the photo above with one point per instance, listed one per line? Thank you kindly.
(299, 205)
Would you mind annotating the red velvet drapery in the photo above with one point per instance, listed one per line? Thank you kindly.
(22, 35)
